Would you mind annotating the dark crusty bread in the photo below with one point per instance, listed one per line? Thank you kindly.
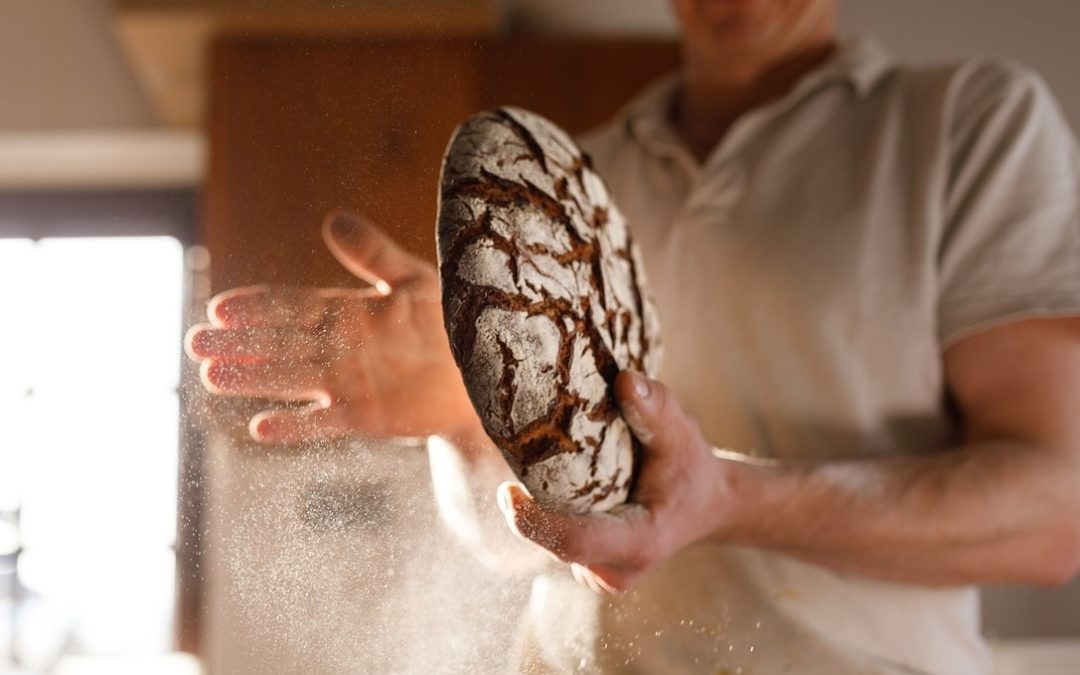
(545, 301)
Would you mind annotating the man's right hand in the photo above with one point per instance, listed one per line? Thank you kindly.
(372, 361)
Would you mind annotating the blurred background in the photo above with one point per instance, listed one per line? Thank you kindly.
(153, 152)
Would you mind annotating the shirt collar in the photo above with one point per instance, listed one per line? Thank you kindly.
(859, 61)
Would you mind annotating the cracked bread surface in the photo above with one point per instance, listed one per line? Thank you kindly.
(545, 301)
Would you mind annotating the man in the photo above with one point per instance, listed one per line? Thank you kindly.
(869, 278)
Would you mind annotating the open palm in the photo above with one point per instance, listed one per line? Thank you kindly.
(373, 361)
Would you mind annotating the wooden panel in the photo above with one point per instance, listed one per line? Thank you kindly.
(299, 127)
(307, 6)
(578, 84)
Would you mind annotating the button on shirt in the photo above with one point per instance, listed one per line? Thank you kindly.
(809, 275)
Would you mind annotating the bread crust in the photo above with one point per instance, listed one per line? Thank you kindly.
(545, 301)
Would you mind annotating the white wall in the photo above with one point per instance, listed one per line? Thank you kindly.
(1040, 33)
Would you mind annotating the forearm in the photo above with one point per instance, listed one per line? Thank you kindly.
(466, 470)
(997, 512)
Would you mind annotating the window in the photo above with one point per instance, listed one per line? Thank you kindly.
(89, 412)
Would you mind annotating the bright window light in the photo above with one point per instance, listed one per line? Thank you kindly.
(89, 369)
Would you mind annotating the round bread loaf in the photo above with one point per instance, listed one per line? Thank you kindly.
(545, 301)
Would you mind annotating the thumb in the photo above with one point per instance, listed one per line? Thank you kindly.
(645, 405)
(366, 251)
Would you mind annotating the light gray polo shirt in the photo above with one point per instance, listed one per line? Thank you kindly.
(809, 274)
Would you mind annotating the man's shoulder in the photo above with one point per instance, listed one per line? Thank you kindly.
(975, 84)
(983, 86)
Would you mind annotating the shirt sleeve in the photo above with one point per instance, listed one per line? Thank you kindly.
(1011, 242)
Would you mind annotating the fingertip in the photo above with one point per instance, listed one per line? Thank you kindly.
(632, 386)
(218, 376)
(327, 227)
(586, 578)
(214, 311)
(224, 309)
(259, 430)
(207, 373)
(602, 585)
(260, 427)
(520, 513)
(508, 496)
(502, 498)
(577, 571)
(217, 308)
(341, 226)
(193, 341)
(610, 580)
(350, 238)
(519, 495)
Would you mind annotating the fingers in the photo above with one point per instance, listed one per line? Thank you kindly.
(620, 537)
(279, 381)
(641, 401)
(266, 307)
(256, 306)
(252, 344)
(585, 577)
(611, 579)
(299, 425)
(263, 307)
(369, 253)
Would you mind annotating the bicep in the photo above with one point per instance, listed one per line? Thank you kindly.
(1020, 381)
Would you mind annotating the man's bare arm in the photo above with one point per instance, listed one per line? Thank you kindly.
(1005, 507)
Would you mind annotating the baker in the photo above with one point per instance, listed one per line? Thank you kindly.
(869, 280)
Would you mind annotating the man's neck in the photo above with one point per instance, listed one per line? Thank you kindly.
(715, 94)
